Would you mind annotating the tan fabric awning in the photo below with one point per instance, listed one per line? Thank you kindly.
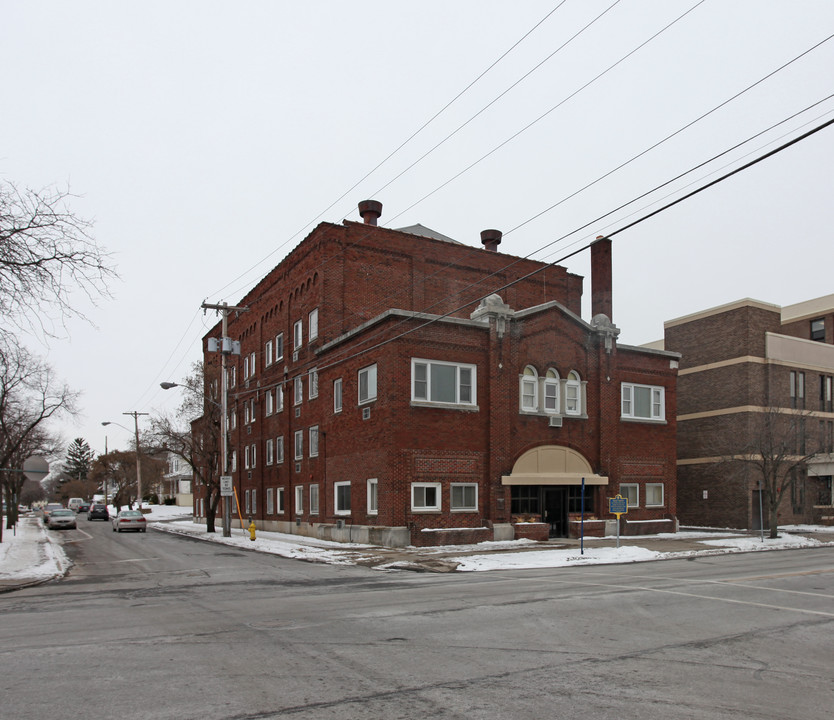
(552, 465)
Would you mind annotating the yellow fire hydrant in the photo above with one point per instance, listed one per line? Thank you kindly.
(252, 530)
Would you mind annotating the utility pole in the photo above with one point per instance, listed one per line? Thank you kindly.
(226, 347)
(138, 464)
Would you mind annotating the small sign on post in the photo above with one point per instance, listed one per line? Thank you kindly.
(226, 486)
(618, 506)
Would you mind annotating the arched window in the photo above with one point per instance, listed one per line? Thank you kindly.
(529, 389)
(551, 392)
(573, 394)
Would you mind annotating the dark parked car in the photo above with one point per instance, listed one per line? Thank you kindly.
(98, 511)
(83, 507)
(129, 520)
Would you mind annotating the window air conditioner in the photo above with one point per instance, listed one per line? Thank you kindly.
(555, 421)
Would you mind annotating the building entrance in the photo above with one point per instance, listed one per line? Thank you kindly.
(555, 510)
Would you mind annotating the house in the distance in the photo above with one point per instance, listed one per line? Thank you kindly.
(398, 387)
(740, 361)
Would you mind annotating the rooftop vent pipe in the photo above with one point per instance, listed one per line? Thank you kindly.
(491, 239)
(370, 210)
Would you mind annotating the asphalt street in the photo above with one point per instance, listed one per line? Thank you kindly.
(159, 626)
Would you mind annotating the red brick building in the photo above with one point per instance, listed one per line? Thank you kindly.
(739, 362)
(398, 387)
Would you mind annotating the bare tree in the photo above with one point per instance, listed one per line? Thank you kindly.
(118, 468)
(193, 434)
(46, 253)
(30, 395)
(777, 452)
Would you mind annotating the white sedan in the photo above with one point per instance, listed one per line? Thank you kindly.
(129, 520)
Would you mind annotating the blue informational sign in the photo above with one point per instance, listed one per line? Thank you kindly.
(618, 505)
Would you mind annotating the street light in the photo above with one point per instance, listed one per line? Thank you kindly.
(138, 463)
(227, 506)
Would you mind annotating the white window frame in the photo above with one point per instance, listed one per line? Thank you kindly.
(254, 501)
(245, 502)
(270, 501)
(299, 500)
(246, 457)
(368, 376)
(279, 501)
(279, 450)
(279, 398)
(314, 499)
(233, 420)
(252, 364)
(529, 389)
(551, 384)
(337, 395)
(657, 402)
(662, 502)
(372, 486)
(313, 324)
(298, 390)
(297, 335)
(299, 445)
(336, 507)
(427, 399)
(314, 441)
(438, 506)
(573, 386)
(279, 347)
(269, 452)
(233, 461)
(313, 390)
(628, 487)
(254, 455)
(232, 376)
(268, 405)
(462, 508)
(268, 353)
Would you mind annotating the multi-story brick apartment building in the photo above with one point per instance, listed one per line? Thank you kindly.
(740, 361)
(398, 387)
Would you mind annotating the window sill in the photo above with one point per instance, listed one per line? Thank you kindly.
(649, 421)
(444, 406)
(427, 511)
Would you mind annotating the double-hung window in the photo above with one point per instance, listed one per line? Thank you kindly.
(433, 381)
(246, 457)
(342, 498)
(279, 398)
(279, 449)
(270, 501)
(299, 500)
(337, 395)
(314, 383)
(373, 497)
(268, 407)
(313, 325)
(279, 347)
(654, 494)
(270, 456)
(573, 394)
(268, 353)
(314, 499)
(529, 390)
(631, 492)
(367, 384)
(643, 402)
(298, 390)
(314, 441)
(299, 444)
(298, 335)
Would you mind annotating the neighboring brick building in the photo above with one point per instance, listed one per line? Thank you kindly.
(740, 361)
(398, 387)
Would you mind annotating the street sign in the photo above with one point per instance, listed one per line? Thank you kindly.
(618, 506)
(226, 486)
(35, 468)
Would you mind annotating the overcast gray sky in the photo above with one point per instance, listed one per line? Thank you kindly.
(206, 139)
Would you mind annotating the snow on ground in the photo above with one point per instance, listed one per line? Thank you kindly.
(32, 554)
(27, 554)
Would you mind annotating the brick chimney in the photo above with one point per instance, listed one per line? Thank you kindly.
(491, 239)
(601, 294)
(370, 210)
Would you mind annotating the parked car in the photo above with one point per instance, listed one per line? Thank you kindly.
(84, 507)
(129, 520)
(98, 510)
(49, 508)
(75, 503)
(61, 519)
